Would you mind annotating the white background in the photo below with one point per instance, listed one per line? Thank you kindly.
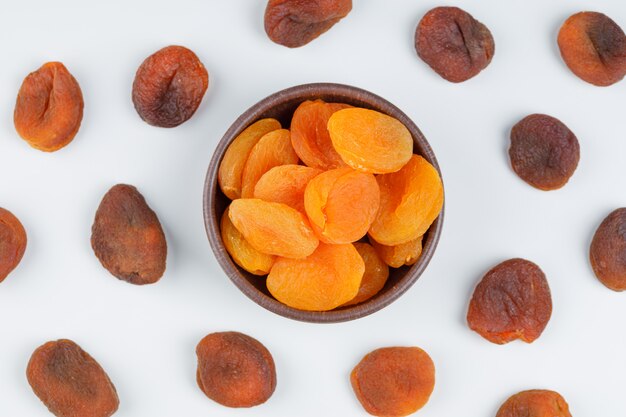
(145, 337)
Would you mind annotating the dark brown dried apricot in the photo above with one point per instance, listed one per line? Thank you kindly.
(235, 370)
(375, 275)
(543, 151)
(594, 47)
(49, 108)
(294, 23)
(512, 301)
(127, 237)
(169, 86)
(453, 43)
(394, 381)
(12, 242)
(535, 403)
(608, 251)
(70, 382)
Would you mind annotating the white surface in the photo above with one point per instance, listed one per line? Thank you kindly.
(145, 337)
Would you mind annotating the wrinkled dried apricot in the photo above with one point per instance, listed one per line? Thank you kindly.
(454, 44)
(410, 200)
(241, 251)
(535, 403)
(273, 228)
(70, 382)
(512, 301)
(127, 237)
(272, 150)
(235, 157)
(12, 242)
(294, 23)
(375, 275)
(543, 152)
(310, 137)
(49, 108)
(235, 370)
(341, 204)
(399, 255)
(608, 251)
(324, 280)
(394, 381)
(169, 86)
(594, 47)
(285, 184)
(370, 141)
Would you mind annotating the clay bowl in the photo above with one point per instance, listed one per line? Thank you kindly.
(281, 106)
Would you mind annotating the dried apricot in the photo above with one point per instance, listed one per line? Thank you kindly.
(294, 23)
(70, 382)
(512, 301)
(410, 200)
(594, 47)
(169, 86)
(535, 403)
(285, 184)
(375, 275)
(341, 204)
(543, 152)
(49, 108)
(324, 280)
(127, 237)
(273, 228)
(272, 150)
(241, 251)
(394, 381)
(370, 141)
(235, 370)
(310, 137)
(235, 157)
(454, 44)
(12, 242)
(399, 255)
(608, 251)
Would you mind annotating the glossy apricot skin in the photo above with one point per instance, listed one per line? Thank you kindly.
(12, 242)
(294, 23)
(535, 403)
(235, 370)
(594, 48)
(127, 237)
(512, 301)
(341, 204)
(394, 381)
(608, 251)
(231, 168)
(49, 108)
(410, 201)
(399, 255)
(169, 86)
(454, 44)
(370, 141)
(326, 279)
(273, 228)
(285, 184)
(70, 382)
(374, 277)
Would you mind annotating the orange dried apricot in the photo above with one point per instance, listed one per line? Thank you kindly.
(535, 403)
(341, 204)
(410, 200)
(273, 149)
(399, 255)
(241, 251)
(608, 251)
(370, 141)
(310, 137)
(285, 184)
(235, 157)
(324, 280)
(375, 275)
(273, 228)
(394, 381)
(12, 242)
(49, 108)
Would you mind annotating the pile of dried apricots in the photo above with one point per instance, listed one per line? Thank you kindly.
(323, 208)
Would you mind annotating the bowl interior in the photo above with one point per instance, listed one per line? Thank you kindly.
(281, 106)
